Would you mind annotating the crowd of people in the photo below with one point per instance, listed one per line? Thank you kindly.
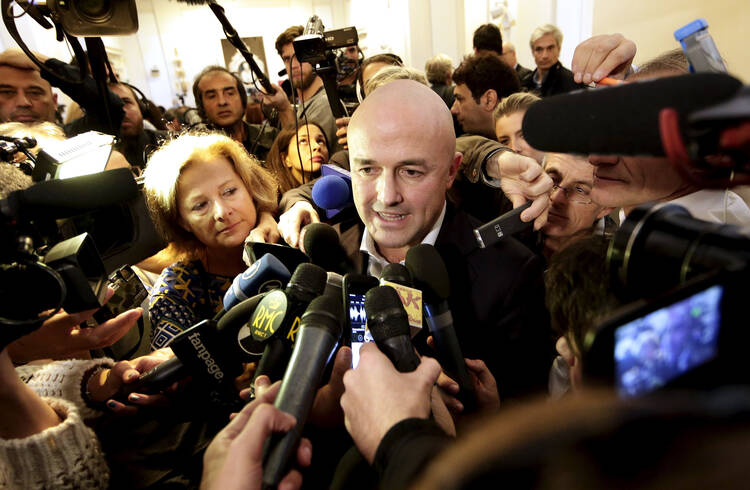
(432, 155)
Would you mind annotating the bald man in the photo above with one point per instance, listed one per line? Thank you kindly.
(401, 169)
(24, 95)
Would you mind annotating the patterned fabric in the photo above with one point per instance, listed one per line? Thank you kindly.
(180, 299)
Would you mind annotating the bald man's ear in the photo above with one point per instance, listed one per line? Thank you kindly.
(489, 100)
(604, 212)
(455, 164)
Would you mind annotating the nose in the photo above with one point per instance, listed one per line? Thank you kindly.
(388, 192)
(454, 108)
(221, 211)
(222, 99)
(558, 196)
(22, 100)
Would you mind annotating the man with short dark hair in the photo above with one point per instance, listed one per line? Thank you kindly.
(481, 82)
(549, 77)
(221, 100)
(312, 101)
(488, 39)
(136, 140)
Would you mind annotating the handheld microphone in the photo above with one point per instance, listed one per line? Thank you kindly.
(396, 273)
(264, 275)
(322, 324)
(64, 198)
(276, 320)
(431, 276)
(321, 243)
(333, 190)
(389, 326)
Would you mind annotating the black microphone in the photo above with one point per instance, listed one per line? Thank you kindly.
(64, 198)
(276, 320)
(431, 276)
(321, 243)
(389, 325)
(397, 273)
(322, 324)
(621, 120)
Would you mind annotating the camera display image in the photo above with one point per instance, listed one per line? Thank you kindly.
(358, 322)
(656, 348)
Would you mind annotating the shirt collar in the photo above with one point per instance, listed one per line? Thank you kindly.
(377, 262)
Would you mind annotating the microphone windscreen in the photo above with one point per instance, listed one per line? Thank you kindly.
(397, 273)
(623, 119)
(428, 272)
(309, 278)
(331, 192)
(325, 312)
(321, 244)
(63, 198)
(386, 317)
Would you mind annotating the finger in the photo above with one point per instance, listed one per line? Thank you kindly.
(341, 365)
(291, 481)
(540, 187)
(479, 369)
(451, 403)
(517, 200)
(538, 206)
(431, 342)
(155, 400)
(264, 420)
(120, 408)
(617, 62)
(447, 384)
(265, 392)
(429, 370)
(304, 452)
(245, 393)
(108, 332)
(541, 220)
(257, 235)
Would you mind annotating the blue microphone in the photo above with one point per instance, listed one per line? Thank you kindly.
(333, 190)
(265, 274)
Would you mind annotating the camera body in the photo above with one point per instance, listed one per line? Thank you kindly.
(88, 18)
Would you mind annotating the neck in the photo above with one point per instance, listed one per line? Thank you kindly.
(393, 255)
(305, 94)
(542, 72)
(236, 131)
(224, 262)
(488, 130)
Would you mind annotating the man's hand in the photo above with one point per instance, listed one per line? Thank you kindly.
(266, 230)
(377, 397)
(342, 125)
(291, 223)
(523, 179)
(61, 337)
(235, 456)
(109, 381)
(279, 101)
(326, 409)
(606, 55)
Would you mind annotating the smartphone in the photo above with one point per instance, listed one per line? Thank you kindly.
(508, 224)
(290, 257)
(354, 288)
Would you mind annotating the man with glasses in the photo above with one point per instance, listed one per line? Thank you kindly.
(572, 213)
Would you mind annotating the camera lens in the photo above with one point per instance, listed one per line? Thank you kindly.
(94, 10)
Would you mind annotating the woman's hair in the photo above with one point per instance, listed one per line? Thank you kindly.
(162, 178)
(43, 132)
(520, 101)
(275, 157)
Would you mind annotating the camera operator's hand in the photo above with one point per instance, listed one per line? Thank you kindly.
(61, 336)
(234, 458)
(606, 55)
(522, 179)
(279, 101)
(17, 58)
(377, 397)
(266, 231)
(291, 223)
(106, 383)
(342, 126)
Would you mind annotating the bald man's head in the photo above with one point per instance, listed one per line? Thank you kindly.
(24, 95)
(402, 154)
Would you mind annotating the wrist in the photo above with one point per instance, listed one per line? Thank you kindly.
(91, 384)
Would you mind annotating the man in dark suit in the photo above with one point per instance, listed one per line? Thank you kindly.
(549, 77)
(509, 57)
(401, 169)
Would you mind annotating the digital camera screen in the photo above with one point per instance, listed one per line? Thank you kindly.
(658, 347)
(358, 321)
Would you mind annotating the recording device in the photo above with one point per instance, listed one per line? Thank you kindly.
(316, 47)
(699, 47)
(691, 338)
(320, 330)
(699, 121)
(355, 287)
(389, 326)
(290, 257)
(430, 275)
(321, 243)
(11, 146)
(508, 224)
(276, 320)
(266, 274)
(89, 18)
(333, 190)
(86, 153)
(660, 246)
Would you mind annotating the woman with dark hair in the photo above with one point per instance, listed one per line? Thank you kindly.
(205, 194)
(297, 155)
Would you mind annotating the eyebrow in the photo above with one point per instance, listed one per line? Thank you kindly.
(557, 173)
(414, 162)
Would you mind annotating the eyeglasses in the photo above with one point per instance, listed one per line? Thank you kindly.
(576, 194)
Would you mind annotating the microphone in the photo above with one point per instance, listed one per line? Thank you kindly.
(322, 324)
(431, 276)
(265, 274)
(276, 320)
(63, 198)
(591, 121)
(396, 273)
(321, 243)
(389, 326)
(332, 193)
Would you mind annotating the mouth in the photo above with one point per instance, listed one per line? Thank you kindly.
(557, 216)
(391, 217)
(228, 229)
(24, 118)
(317, 159)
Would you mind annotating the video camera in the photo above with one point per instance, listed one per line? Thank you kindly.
(316, 46)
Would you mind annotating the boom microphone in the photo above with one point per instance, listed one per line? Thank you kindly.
(431, 276)
(624, 119)
(322, 324)
(64, 198)
(389, 326)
